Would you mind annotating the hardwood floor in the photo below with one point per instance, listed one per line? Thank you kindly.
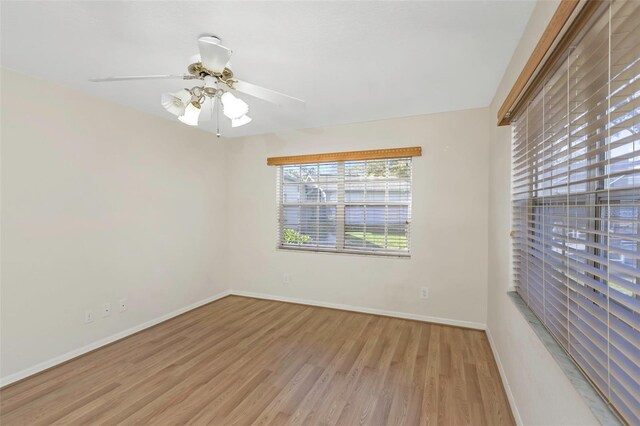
(240, 361)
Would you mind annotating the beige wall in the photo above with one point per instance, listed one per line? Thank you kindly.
(100, 203)
(449, 227)
(542, 393)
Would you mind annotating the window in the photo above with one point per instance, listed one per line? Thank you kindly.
(576, 201)
(360, 206)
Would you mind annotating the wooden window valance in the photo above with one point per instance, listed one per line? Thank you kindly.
(415, 151)
(569, 20)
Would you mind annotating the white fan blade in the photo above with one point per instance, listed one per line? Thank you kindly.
(142, 77)
(267, 94)
(213, 55)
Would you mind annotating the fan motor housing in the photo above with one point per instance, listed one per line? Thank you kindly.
(196, 69)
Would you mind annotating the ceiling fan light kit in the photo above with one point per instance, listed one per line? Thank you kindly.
(211, 67)
(233, 107)
(191, 114)
(177, 102)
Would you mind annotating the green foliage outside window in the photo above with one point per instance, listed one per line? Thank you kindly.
(396, 168)
(291, 236)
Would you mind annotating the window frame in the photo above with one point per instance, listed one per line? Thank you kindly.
(341, 205)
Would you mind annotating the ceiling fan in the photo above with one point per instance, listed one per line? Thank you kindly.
(211, 67)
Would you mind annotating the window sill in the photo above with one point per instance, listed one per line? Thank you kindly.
(598, 406)
(350, 253)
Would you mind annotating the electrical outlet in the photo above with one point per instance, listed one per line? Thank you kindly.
(424, 293)
(123, 305)
(88, 316)
(106, 309)
(286, 278)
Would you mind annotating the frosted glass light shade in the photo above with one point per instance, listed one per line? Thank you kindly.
(233, 107)
(176, 103)
(237, 122)
(191, 114)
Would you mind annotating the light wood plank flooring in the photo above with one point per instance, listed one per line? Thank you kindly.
(242, 361)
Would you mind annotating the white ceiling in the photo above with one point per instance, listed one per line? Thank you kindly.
(351, 61)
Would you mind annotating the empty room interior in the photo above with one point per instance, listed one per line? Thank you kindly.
(320, 212)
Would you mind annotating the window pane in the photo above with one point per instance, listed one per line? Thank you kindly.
(369, 201)
(399, 168)
(354, 191)
(309, 172)
(328, 172)
(291, 174)
(355, 170)
(291, 193)
(376, 227)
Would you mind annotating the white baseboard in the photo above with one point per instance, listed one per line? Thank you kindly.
(102, 342)
(403, 315)
(503, 376)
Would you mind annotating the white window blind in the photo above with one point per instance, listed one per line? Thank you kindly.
(576, 200)
(361, 206)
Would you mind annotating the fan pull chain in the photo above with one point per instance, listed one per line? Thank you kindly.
(217, 116)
